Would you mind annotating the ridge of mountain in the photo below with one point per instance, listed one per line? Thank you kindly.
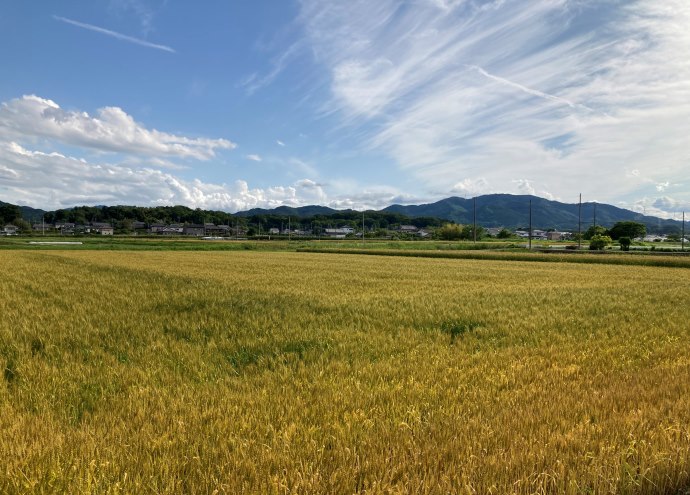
(513, 211)
(492, 210)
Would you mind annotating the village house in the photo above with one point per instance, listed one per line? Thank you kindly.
(339, 233)
(10, 229)
(68, 228)
(42, 227)
(555, 236)
(217, 230)
(194, 229)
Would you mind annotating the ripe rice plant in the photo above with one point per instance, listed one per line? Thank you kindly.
(280, 372)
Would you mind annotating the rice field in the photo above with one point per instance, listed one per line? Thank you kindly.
(283, 372)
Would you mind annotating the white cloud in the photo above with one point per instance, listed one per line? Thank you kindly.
(671, 205)
(254, 82)
(469, 187)
(571, 94)
(53, 180)
(142, 12)
(302, 167)
(254, 158)
(111, 130)
(114, 34)
(279, 142)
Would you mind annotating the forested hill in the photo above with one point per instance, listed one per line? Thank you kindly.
(9, 211)
(512, 211)
(493, 210)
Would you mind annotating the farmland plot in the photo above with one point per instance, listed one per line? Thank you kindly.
(258, 372)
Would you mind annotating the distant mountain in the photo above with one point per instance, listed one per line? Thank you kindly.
(28, 213)
(492, 210)
(512, 211)
(301, 211)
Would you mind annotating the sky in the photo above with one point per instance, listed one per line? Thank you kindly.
(231, 104)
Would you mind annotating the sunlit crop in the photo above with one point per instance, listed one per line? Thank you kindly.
(260, 372)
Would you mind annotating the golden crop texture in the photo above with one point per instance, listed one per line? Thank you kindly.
(259, 372)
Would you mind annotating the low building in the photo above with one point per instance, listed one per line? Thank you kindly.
(338, 233)
(217, 230)
(10, 229)
(194, 229)
(63, 226)
(654, 238)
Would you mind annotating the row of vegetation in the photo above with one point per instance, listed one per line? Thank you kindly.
(123, 218)
(250, 372)
(499, 255)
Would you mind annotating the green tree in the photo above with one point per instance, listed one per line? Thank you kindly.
(450, 232)
(599, 242)
(9, 213)
(504, 234)
(468, 232)
(592, 231)
(627, 229)
(625, 243)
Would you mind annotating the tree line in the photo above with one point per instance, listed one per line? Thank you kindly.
(122, 218)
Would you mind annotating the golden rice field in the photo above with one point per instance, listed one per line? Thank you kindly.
(260, 372)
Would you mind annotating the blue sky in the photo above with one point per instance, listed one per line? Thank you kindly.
(232, 104)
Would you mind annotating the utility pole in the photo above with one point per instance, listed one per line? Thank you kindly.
(530, 224)
(579, 223)
(474, 219)
(362, 227)
(595, 217)
(682, 237)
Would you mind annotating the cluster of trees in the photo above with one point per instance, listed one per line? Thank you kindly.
(121, 217)
(157, 214)
(9, 213)
(454, 231)
(373, 221)
(599, 237)
(12, 214)
(620, 229)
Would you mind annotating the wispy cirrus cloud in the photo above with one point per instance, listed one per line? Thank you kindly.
(569, 94)
(256, 81)
(114, 34)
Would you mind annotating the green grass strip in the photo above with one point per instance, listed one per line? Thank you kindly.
(677, 261)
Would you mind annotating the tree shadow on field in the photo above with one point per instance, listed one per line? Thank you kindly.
(458, 328)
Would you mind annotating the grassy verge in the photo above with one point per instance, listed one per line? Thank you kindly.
(556, 257)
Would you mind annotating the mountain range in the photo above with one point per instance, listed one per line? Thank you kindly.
(492, 210)
(501, 210)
